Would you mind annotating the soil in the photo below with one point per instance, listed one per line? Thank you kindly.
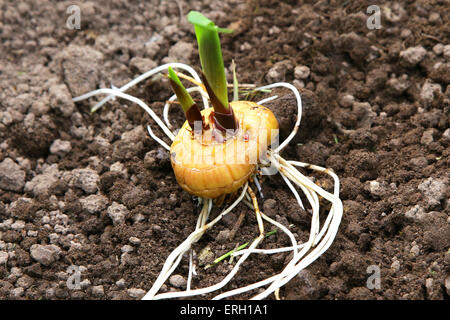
(96, 192)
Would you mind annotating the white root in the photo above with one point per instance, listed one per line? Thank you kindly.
(142, 104)
(258, 186)
(322, 245)
(162, 143)
(291, 236)
(191, 270)
(297, 197)
(149, 74)
(174, 258)
(315, 246)
(202, 218)
(184, 247)
(299, 110)
(304, 253)
(221, 284)
(267, 100)
(291, 264)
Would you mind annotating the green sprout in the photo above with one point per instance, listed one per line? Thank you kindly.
(190, 108)
(184, 98)
(239, 248)
(250, 94)
(211, 56)
(213, 71)
(336, 141)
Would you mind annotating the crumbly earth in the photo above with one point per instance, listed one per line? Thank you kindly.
(94, 193)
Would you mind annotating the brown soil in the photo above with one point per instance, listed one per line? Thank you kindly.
(377, 119)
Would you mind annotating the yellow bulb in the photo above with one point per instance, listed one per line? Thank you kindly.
(207, 168)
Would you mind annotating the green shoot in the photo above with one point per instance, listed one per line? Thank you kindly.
(226, 255)
(211, 59)
(241, 247)
(336, 141)
(268, 234)
(184, 98)
(190, 108)
(253, 93)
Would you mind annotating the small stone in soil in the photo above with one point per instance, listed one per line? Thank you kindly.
(413, 55)
(85, 179)
(135, 241)
(433, 190)
(118, 213)
(127, 248)
(136, 293)
(270, 207)
(61, 100)
(121, 283)
(60, 147)
(178, 281)
(45, 254)
(94, 203)
(3, 257)
(301, 72)
(12, 177)
(98, 291)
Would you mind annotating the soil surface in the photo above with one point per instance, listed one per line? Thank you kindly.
(94, 193)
